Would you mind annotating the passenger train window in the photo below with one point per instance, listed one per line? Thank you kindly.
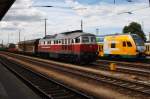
(68, 41)
(129, 44)
(48, 42)
(72, 41)
(65, 41)
(62, 41)
(85, 39)
(56, 41)
(59, 41)
(77, 40)
(113, 45)
(124, 44)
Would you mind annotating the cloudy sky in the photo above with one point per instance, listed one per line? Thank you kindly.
(67, 14)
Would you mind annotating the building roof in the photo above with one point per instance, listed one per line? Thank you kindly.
(4, 7)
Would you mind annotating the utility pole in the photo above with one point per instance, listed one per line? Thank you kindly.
(8, 38)
(97, 31)
(2, 44)
(81, 25)
(114, 1)
(19, 35)
(45, 26)
(143, 25)
(149, 36)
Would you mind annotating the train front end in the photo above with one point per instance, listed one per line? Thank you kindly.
(88, 48)
(140, 46)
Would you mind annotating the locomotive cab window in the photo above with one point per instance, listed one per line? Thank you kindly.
(124, 44)
(93, 39)
(129, 44)
(113, 45)
(85, 39)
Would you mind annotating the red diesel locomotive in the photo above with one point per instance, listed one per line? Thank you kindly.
(75, 46)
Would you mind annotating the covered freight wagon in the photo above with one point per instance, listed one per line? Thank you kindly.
(28, 46)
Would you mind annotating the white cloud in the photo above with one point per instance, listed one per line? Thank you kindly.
(103, 15)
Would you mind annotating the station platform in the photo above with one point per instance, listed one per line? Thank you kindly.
(13, 88)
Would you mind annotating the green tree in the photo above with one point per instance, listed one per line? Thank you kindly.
(135, 28)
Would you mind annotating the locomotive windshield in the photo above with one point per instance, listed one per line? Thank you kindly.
(93, 39)
(85, 39)
(138, 41)
(88, 39)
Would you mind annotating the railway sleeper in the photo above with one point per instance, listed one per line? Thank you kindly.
(60, 94)
(57, 91)
(71, 96)
(132, 86)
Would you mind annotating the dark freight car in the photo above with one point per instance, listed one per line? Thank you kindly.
(28, 46)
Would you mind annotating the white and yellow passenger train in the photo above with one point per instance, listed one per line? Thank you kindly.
(121, 45)
(147, 44)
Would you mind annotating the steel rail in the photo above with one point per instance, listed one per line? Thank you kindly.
(130, 85)
(48, 88)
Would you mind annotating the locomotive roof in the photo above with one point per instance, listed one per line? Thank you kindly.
(66, 35)
(28, 41)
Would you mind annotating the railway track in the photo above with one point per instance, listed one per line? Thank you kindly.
(135, 64)
(122, 69)
(47, 88)
(137, 87)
